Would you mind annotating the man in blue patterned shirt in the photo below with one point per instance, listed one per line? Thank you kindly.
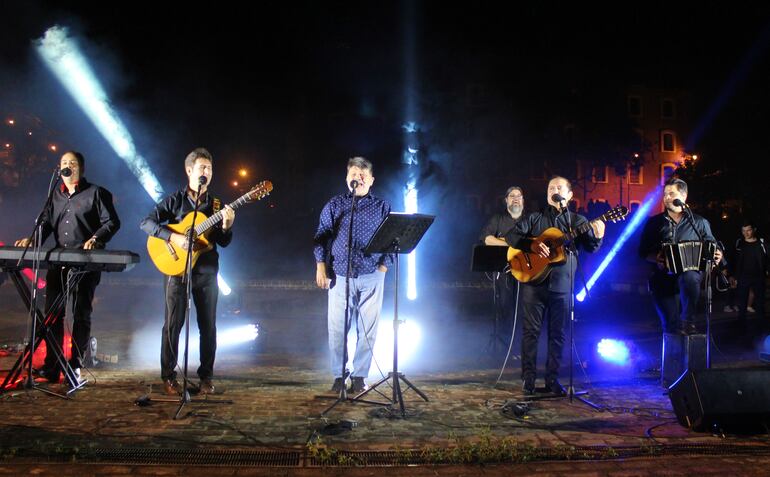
(367, 271)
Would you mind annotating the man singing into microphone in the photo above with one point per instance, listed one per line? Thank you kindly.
(171, 210)
(367, 276)
(551, 297)
(81, 215)
(675, 224)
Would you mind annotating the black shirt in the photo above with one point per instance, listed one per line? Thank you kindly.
(74, 219)
(535, 224)
(173, 209)
(661, 228)
(750, 259)
(499, 225)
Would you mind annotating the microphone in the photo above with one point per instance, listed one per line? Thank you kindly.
(65, 172)
(679, 203)
(202, 180)
(557, 198)
(354, 184)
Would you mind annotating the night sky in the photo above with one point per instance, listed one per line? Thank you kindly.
(292, 90)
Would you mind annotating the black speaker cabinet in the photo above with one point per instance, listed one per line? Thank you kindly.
(681, 353)
(723, 399)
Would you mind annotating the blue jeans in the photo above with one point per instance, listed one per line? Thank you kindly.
(667, 290)
(366, 293)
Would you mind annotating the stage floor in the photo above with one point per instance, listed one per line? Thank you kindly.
(277, 396)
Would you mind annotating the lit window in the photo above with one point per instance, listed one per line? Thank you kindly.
(599, 175)
(667, 141)
(666, 171)
(636, 175)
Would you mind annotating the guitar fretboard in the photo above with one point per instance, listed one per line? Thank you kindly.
(202, 227)
(583, 228)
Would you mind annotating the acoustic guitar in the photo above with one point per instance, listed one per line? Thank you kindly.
(529, 267)
(170, 259)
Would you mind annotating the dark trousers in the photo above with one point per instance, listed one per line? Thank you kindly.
(505, 288)
(80, 302)
(539, 303)
(757, 284)
(667, 290)
(205, 292)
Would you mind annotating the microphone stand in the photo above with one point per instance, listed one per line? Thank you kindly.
(343, 396)
(37, 236)
(572, 252)
(709, 292)
(187, 279)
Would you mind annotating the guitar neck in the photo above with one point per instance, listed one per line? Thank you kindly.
(204, 226)
(583, 228)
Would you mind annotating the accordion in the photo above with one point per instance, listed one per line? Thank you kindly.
(688, 256)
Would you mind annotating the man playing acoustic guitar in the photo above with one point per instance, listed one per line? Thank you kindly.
(172, 210)
(549, 296)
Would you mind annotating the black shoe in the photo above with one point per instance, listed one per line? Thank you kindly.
(357, 385)
(206, 386)
(338, 385)
(555, 388)
(51, 375)
(528, 386)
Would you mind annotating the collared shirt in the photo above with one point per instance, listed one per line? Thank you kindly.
(74, 219)
(499, 225)
(661, 228)
(173, 209)
(63, 187)
(331, 238)
(535, 224)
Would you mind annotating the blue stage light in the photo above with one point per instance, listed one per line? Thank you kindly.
(410, 204)
(636, 221)
(613, 351)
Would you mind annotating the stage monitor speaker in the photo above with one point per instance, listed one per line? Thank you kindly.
(723, 399)
(681, 353)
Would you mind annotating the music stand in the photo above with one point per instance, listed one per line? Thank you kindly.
(399, 234)
(492, 259)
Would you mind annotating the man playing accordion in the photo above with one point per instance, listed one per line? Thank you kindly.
(678, 242)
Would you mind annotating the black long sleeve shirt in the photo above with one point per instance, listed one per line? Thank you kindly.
(536, 223)
(661, 228)
(750, 259)
(74, 219)
(173, 209)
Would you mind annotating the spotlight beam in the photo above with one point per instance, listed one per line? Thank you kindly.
(62, 56)
(60, 53)
(410, 206)
(635, 222)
